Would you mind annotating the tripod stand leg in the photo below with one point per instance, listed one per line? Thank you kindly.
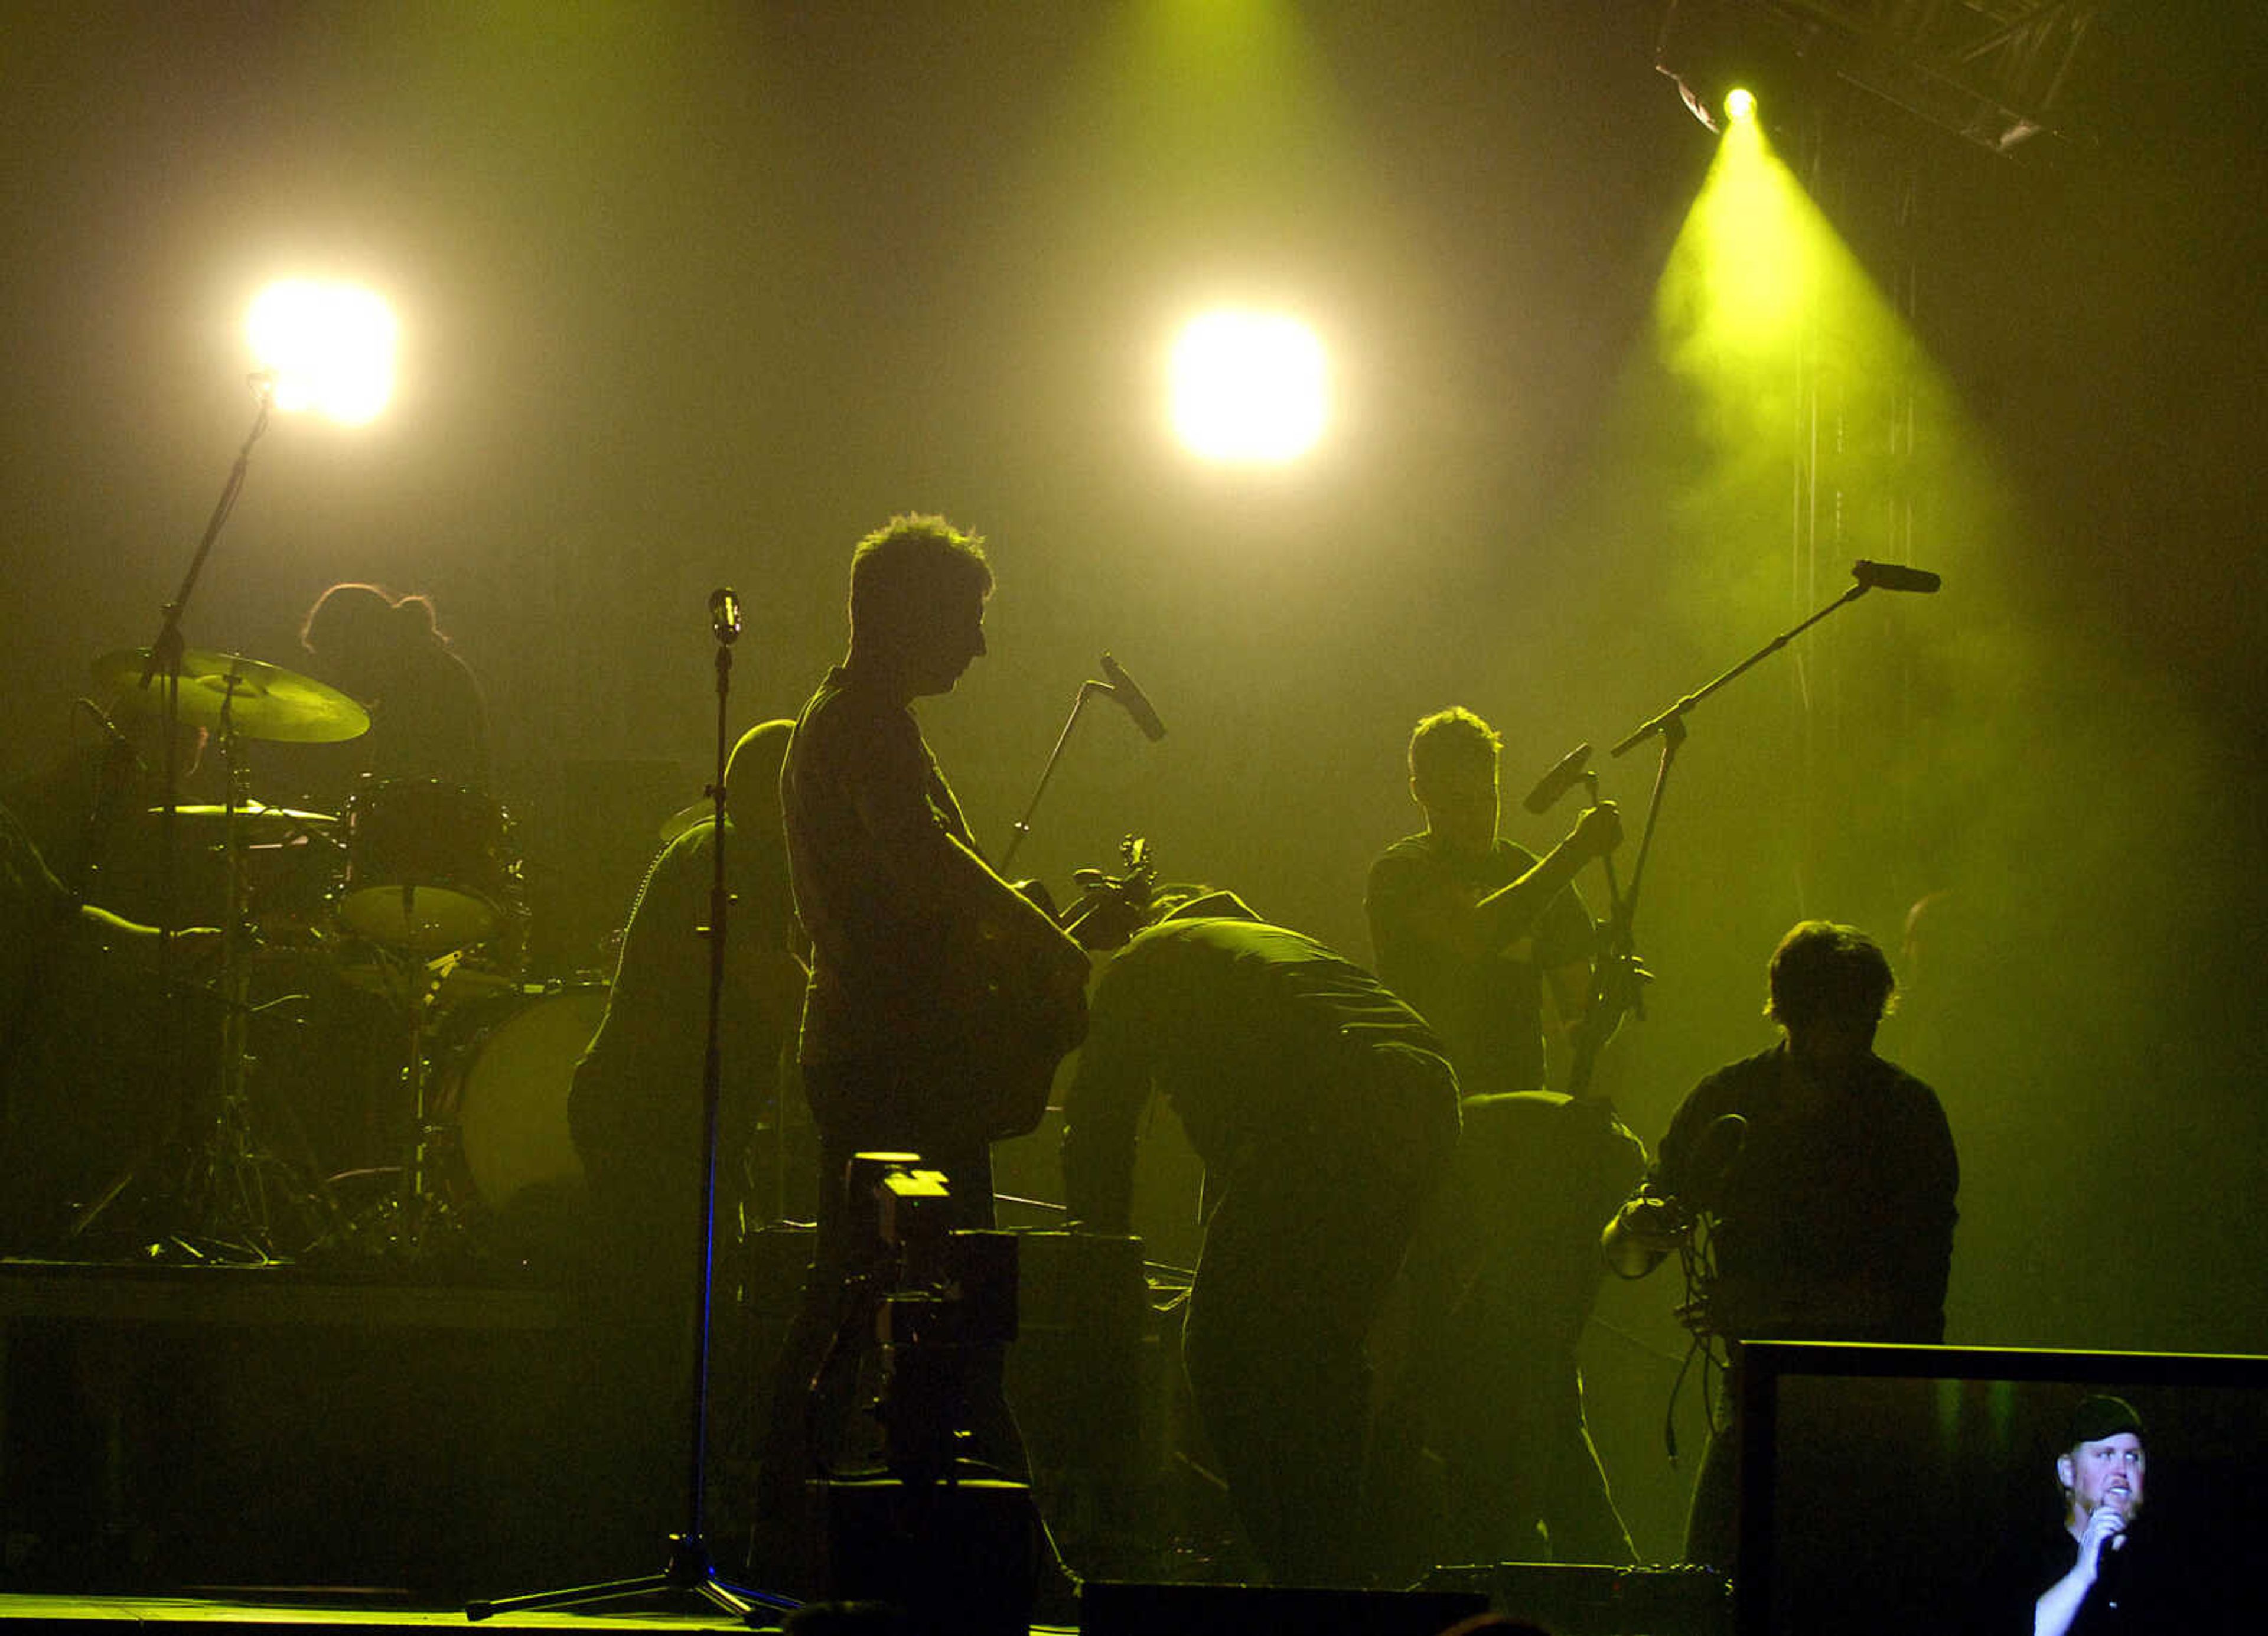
(691, 1570)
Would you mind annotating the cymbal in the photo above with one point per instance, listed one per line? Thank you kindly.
(259, 701)
(257, 813)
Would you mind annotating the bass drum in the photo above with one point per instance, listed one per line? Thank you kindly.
(510, 1065)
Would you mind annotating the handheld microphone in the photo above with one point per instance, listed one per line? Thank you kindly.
(1715, 1153)
(1894, 577)
(1137, 703)
(724, 614)
(1559, 780)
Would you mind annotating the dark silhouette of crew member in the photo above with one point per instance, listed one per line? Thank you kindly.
(1832, 1177)
(1325, 1113)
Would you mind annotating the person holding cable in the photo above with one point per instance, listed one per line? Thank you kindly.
(1829, 1175)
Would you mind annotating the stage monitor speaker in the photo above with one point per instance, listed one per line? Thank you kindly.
(961, 1558)
(1110, 1609)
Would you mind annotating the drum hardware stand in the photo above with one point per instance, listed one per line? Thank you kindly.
(690, 1567)
(238, 1198)
(424, 1206)
(227, 1195)
(417, 1208)
(221, 1192)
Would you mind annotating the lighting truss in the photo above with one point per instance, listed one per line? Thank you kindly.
(1991, 71)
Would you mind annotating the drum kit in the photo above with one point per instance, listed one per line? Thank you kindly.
(409, 900)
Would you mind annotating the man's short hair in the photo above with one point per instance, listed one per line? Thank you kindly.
(1822, 972)
(904, 570)
(1454, 737)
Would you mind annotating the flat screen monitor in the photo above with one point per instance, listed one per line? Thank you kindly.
(1915, 1488)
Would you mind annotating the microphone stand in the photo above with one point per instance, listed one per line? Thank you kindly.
(164, 666)
(690, 1566)
(166, 651)
(1670, 726)
(1086, 690)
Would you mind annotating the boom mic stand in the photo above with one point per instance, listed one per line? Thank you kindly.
(1670, 724)
(1615, 980)
(163, 670)
(690, 1566)
(1120, 687)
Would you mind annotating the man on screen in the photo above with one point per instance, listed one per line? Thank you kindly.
(2101, 1471)
(2104, 1571)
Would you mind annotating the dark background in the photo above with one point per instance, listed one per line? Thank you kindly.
(697, 294)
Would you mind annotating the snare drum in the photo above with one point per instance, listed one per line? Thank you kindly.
(426, 868)
(508, 1064)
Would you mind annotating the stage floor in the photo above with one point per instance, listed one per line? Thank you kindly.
(275, 1616)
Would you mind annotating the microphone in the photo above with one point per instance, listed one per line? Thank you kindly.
(1894, 577)
(1137, 703)
(724, 614)
(1714, 1155)
(1559, 780)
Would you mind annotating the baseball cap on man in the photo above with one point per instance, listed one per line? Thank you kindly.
(2099, 1417)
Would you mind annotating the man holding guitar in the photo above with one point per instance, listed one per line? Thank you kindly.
(933, 980)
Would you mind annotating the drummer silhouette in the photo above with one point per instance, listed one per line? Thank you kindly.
(431, 884)
(427, 718)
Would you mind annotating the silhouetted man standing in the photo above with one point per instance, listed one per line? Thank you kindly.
(1831, 1176)
(914, 939)
(1473, 930)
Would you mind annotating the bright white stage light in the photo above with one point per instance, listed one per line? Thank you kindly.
(1249, 387)
(328, 347)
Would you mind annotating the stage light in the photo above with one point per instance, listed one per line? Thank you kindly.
(1249, 387)
(1739, 103)
(324, 347)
